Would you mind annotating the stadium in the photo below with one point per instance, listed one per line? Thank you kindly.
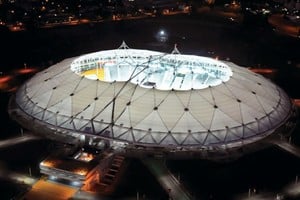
(143, 102)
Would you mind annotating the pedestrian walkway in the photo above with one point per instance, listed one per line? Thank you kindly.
(171, 185)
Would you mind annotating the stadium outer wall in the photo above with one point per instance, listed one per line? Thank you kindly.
(218, 153)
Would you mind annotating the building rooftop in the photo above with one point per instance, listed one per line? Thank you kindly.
(154, 99)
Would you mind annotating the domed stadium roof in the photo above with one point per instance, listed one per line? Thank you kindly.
(155, 99)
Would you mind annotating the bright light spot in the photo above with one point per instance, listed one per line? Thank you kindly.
(82, 172)
(5, 79)
(162, 35)
(76, 183)
(48, 163)
(52, 178)
(26, 71)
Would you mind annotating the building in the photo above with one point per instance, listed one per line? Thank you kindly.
(147, 102)
(88, 170)
(81, 168)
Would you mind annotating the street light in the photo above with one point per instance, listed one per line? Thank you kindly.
(162, 35)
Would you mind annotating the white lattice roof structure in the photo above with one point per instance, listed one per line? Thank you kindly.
(149, 98)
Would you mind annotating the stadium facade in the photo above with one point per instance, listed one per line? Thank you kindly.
(147, 102)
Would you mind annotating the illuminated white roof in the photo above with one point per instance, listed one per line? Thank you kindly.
(153, 69)
(129, 100)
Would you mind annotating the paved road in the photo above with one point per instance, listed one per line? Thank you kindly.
(297, 102)
(285, 145)
(291, 191)
(17, 140)
(284, 26)
(166, 179)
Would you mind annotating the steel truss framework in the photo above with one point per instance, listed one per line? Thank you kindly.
(240, 109)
